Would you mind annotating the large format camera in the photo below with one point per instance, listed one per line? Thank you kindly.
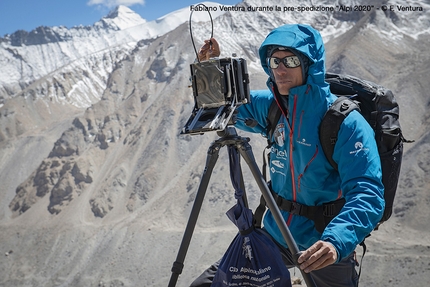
(220, 85)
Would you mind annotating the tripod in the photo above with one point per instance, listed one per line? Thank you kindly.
(229, 137)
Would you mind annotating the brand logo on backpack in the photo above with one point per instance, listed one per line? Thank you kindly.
(358, 147)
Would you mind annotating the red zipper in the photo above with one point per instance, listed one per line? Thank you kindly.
(339, 194)
(290, 217)
(300, 125)
(306, 167)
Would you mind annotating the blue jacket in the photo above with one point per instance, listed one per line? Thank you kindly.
(299, 169)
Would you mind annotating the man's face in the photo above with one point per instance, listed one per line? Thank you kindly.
(286, 78)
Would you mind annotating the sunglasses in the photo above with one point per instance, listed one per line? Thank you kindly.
(289, 62)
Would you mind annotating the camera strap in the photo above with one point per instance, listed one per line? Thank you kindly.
(191, 30)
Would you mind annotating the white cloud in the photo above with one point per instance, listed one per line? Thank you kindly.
(114, 3)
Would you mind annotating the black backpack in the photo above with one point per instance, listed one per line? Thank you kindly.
(380, 109)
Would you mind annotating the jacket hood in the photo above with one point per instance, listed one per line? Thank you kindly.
(304, 39)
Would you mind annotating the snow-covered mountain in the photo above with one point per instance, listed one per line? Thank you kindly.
(29, 56)
(97, 183)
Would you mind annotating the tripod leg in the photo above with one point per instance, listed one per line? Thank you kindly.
(246, 151)
(178, 265)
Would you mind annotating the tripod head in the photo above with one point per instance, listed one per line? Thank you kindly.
(228, 132)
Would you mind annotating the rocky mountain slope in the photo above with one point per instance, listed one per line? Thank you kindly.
(97, 183)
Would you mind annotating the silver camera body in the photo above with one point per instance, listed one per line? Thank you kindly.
(220, 85)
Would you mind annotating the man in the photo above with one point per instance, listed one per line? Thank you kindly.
(294, 58)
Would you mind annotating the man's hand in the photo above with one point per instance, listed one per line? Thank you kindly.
(318, 256)
(209, 50)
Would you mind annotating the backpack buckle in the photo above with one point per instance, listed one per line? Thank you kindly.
(296, 208)
(329, 210)
(333, 208)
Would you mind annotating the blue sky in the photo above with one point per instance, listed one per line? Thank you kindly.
(29, 14)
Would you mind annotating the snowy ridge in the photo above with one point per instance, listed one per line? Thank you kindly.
(26, 57)
(410, 19)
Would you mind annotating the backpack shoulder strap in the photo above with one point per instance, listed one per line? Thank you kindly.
(272, 119)
(330, 125)
(273, 116)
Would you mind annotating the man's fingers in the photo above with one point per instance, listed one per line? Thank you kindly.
(204, 48)
(311, 257)
(319, 255)
(215, 45)
(209, 49)
(308, 252)
(315, 263)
